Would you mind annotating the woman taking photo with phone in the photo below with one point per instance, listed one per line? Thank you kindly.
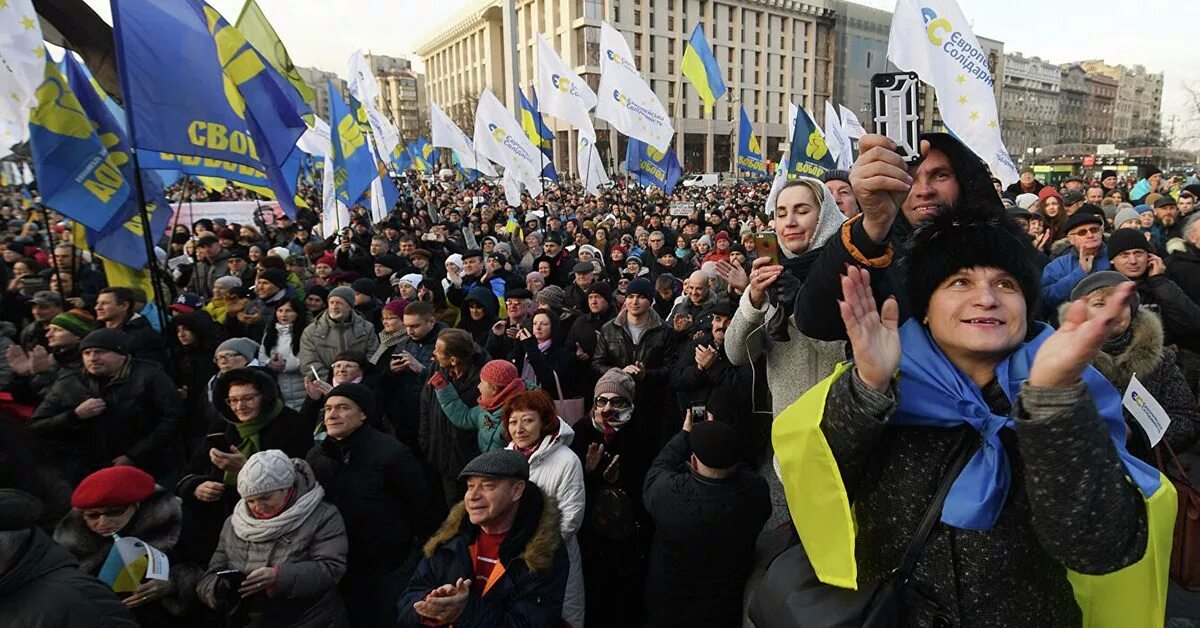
(280, 350)
(804, 217)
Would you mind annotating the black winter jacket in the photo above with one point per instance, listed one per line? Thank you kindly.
(447, 447)
(400, 393)
(1180, 314)
(1184, 268)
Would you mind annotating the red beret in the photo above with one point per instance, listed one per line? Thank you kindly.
(114, 486)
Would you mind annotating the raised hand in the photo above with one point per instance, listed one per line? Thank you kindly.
(874, 335)
(762, 275)
(880, 181)
(18, 360)
(1061, 359)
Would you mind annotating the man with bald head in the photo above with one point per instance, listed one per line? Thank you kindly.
(692, 308)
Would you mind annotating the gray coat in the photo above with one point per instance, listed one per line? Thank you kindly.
(1069, 505)
(325, 338)
(310, 561)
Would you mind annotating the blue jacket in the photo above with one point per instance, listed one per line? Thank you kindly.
(532, 578)
(1061, 275)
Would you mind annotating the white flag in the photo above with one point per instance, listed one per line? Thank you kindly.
(591, 166)
(793, 112)
(512, 189)
(936, 42)
(365, 89)
(851, 127)
(834, 137)
(334, 215)
(561, 92)
(500, 138)
(1146, 410)
(624, 99)
(447, 135)
(22, 69)
(316, 139)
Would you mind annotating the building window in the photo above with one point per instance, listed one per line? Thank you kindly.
(593, 8)
(637, 17)
(671, 67)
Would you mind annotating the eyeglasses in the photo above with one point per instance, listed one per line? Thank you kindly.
(1088, 231)
(616, 402)
(225, 357)
(109, 513)
(241, 401)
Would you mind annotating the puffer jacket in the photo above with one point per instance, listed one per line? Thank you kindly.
(158, 521)
(325, 338)
(44, 587)
(447, 447)
(557, 471)
(533, 569)
(290, 379)
(142, 420)
(310, 561)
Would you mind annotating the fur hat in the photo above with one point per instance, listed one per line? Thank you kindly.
(970, 237)
(266, 471)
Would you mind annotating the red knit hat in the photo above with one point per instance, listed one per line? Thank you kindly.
(114, 486)
(1049, 191)
(499, 373)
(328, 260)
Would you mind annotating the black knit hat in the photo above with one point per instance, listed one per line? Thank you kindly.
(113, 340)
(1123, 240)
(277, 276)
(836, 175)
(715, 444)
(970, 237)
(359, 394)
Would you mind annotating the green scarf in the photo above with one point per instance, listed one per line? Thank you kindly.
(249, 431)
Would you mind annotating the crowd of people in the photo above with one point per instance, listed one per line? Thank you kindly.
(561, 413)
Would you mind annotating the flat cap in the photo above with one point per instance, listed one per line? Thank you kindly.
(498, 463)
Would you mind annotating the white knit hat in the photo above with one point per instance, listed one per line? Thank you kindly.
(266, 471)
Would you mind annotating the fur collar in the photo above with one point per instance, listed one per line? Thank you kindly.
(539, 548)
(157, 522)
(1143, 355)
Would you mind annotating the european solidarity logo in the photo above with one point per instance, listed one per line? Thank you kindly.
(504, 139)
(972, 59)
(621, 61)
(564, 85)
(635, 107)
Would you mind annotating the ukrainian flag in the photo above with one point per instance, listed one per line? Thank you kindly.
(416, 159)
(428, 152)
(538, 133)
(700, 67)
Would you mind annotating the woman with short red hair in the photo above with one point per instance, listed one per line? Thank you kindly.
(532, 427)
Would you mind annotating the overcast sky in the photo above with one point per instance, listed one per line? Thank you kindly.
(323, 33)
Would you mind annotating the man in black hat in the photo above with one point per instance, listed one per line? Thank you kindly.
(702, 374)
(1166, 222)
(502, 343)
(1130, 255)
(498, 559)
(1085, 232)
(44, 306)
(381, 492)
(1072, 201)
(560, 260)
(366, 303)
(239, 266)
(212, 261)
(116, 410)
(585, 276)
(708, 511)
(838, 184)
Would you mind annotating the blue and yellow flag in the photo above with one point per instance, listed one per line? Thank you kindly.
(651, 166)
(416, 159)
(353, 166)
(428, 152)
(808, 155)
(538, 133)
(750, 153)
(122, 240)
(194, 86)
(700, 67)
(401, 159)
(77, 174)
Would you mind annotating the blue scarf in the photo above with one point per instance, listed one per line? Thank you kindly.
(933, 392)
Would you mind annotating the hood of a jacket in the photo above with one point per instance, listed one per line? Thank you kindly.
(550, 442)
(1143, 355)
(534, 537)
(483, 296)
(974, 180)
(265, 383)
(40, 557)
(201, 324)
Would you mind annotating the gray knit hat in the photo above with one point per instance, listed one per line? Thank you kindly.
(244, 347)
(1124, 215)
(497, 463)
(615, 382)
(552, 296)
(345, 293)
(266, 471)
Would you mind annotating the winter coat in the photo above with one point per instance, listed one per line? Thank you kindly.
(44, 587)
(325, 338)
(724, 389)
(615, 349)
(399, 394)
(381, 492)
(290, 379)
(533, 568)
(700, 314)
(704, 535)
(142, 420)
(816, 310)
(447, 447)
(584, 332)
(144, 342)
(558, 472)
(158, 521)
(309, 562)
(481, 329)
(1062, 273)
(1184, 269)
(487, 424)
(287, 432)
(192, 368)
(207, 271)
(1180, 314)
(1015, 573)
(1155, 368)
